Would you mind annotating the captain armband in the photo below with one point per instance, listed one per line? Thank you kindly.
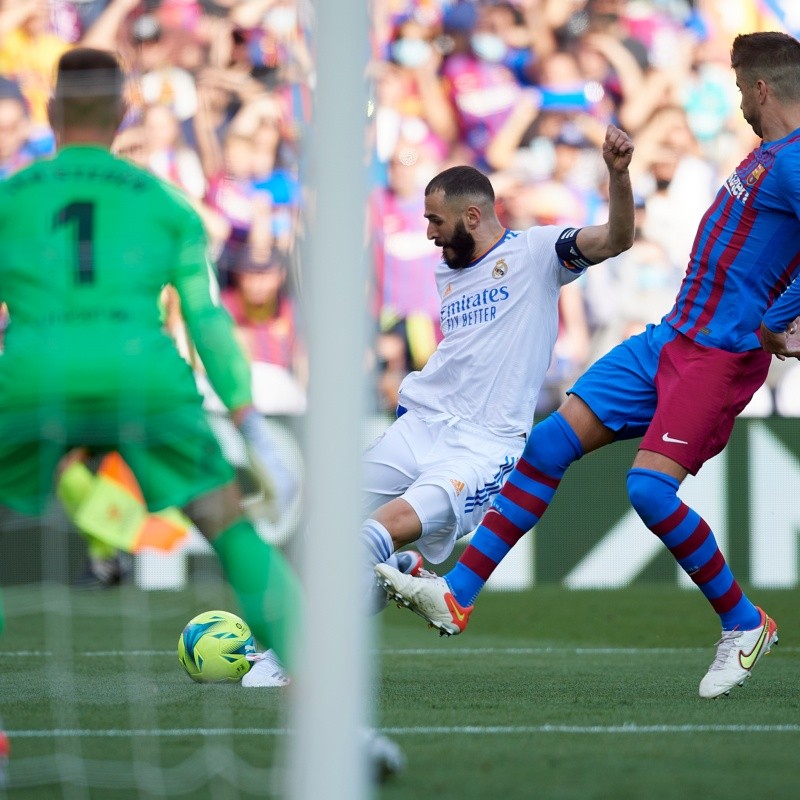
(569, 253)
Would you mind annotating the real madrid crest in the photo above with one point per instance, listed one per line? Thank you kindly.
(500, 268)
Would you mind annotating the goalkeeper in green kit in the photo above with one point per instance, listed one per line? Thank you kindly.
(87, 241)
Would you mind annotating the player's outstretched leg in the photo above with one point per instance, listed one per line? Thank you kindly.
(747, 632)
(447, 602)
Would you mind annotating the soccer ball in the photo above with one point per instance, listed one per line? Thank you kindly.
(213, 647)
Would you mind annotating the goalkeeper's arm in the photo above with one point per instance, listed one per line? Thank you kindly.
(212, 333)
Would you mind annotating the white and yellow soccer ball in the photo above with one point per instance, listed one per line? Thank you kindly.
(213, 647)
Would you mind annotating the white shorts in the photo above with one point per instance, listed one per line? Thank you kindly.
(419, 451)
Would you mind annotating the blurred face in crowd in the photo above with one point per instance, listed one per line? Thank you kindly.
(151, 54)
(130, 144)
(592, 64)
(390, 86)
(447, 229)
(261, 287)
(498, 28)
(238, 154)
(676, 132)
(410, 169)
(664, 167)
(411, 46)
(264, 151)
(567, 157)
(403, 172)
(190, 53)
(13, 127)
(161, 128)
(559, 69)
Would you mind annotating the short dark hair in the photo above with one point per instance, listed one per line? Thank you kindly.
(248, 261)
(462, 181)
(88, 89)
(771, 56)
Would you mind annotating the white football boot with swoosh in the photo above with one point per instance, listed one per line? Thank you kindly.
(427, 595)
(737, 653)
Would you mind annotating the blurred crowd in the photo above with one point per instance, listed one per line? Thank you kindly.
(220, 100)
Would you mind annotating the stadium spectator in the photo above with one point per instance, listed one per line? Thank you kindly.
(274, 166)
(412, 86)
(266, 320)
(405, 262)
(18, 145)
(677, 182)
(233, 194)
(482, 90)
(625, 293)
(680, 384)
(159, 80)
(131, 143)
(168, 156)
(523, 34)
(29, 49)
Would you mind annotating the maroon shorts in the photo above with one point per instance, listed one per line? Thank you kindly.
(701, 391)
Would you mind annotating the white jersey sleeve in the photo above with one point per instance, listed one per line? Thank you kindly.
(499, 317)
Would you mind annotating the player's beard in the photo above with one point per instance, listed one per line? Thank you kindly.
(753, 119)
(755, 124)
(462, 247)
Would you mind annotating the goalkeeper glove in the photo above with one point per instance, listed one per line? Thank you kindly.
(275, 480)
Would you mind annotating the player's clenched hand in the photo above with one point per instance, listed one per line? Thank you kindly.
(617, 149)
(783, 344)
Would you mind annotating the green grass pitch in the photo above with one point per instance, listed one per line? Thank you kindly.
(550, 694)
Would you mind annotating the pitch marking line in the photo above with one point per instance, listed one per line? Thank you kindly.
(463, 730)
(423, 651)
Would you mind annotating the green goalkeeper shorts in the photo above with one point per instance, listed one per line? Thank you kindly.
(174, 454)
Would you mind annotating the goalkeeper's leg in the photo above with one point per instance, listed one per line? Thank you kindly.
(265, 584)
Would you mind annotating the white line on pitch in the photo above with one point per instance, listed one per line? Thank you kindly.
(423, 651)
(463, 730)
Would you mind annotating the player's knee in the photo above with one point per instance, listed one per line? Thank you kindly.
(430, 510)
(216, 510)
(552, 446)
(638, 487)
(652, 495)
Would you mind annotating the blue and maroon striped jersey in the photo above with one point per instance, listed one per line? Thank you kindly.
(746, 253)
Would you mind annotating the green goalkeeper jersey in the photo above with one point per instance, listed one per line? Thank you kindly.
(87, 242)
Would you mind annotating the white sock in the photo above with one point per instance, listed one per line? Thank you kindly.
(378, 549)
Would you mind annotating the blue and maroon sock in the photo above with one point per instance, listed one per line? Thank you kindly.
(693, 544)
(551, 448)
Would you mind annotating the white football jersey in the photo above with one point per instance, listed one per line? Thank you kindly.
(499, 317)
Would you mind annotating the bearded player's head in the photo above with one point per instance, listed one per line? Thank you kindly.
(459, 207)
(87, 105)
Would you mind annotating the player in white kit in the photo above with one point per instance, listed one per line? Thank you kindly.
(462, 420)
